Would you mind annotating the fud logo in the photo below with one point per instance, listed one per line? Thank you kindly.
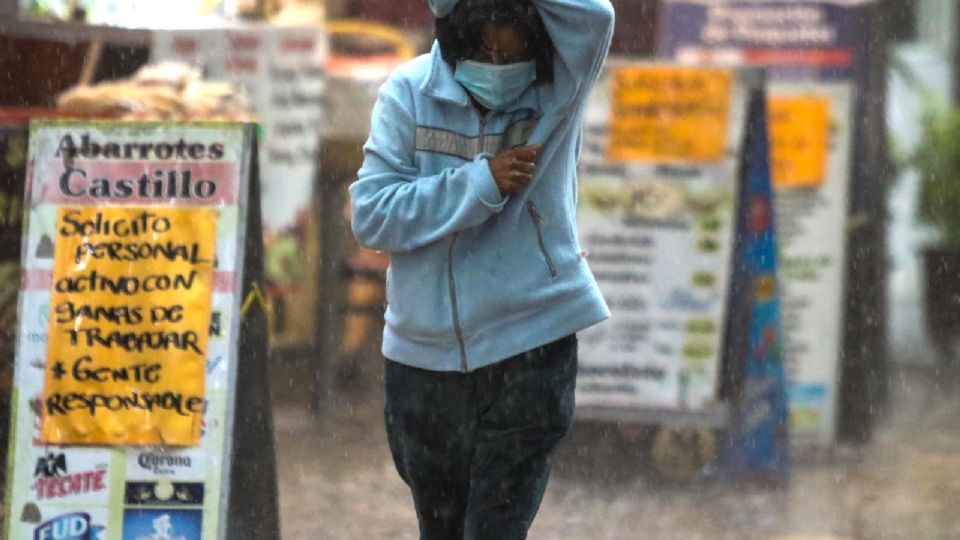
(75, 526)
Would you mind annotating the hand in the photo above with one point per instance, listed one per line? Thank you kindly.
(513, 169)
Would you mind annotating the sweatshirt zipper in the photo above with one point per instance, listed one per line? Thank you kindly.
(537, 223)
(457, 328)
(454, 306)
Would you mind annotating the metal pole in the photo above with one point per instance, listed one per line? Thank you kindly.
(864, 368)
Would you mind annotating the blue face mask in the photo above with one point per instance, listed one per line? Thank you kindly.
(496, 87)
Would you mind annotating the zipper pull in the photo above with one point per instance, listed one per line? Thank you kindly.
(534, 212)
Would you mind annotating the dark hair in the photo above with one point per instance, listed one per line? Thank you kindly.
(459, 34)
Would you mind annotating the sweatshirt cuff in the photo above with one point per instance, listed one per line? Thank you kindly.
(442, 8)
(484, 185)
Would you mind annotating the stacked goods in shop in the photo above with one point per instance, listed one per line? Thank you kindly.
(13, 163)
(13, 157)
(166, 91)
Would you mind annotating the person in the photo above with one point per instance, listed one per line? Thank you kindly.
(469, 183)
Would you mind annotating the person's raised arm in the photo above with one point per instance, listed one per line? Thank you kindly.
(581, 31)
(395, 210)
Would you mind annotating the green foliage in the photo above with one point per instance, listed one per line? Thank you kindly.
(937, 160)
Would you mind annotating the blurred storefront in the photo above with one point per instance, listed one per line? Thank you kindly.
(176, 64)
(277, 55)
(271, 55)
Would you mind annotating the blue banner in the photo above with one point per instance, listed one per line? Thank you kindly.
(757, 442)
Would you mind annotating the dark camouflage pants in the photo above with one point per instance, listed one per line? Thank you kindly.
(475, 448)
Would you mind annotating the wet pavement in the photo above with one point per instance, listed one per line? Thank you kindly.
(337, 480)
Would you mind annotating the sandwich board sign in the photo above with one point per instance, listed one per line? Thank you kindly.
(676, 222)
(134, 270)
(816, 55)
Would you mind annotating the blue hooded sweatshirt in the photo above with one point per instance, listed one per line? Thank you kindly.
(476, 277)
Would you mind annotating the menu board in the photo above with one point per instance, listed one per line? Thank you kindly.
(282, 70)
(127, 344)
(659, 236)
(812, 271)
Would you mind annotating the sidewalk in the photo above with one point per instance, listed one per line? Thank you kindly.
(337, 482)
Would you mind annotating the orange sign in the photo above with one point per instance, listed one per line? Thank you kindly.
(670, 114)
(129, 322)
(799, 140)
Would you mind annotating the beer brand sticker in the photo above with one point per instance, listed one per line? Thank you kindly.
(165, 463)
(165, 524)
(129, 323)
(799, 140)
(669, 114)
(57, 479)
(164, 493)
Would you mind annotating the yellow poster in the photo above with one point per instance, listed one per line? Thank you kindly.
(129, 322)
(670, 114)
(799, 140)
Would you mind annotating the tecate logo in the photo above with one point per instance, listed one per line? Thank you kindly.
(71, 484)
(74, 526)
(163, 463)
(54, 480)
